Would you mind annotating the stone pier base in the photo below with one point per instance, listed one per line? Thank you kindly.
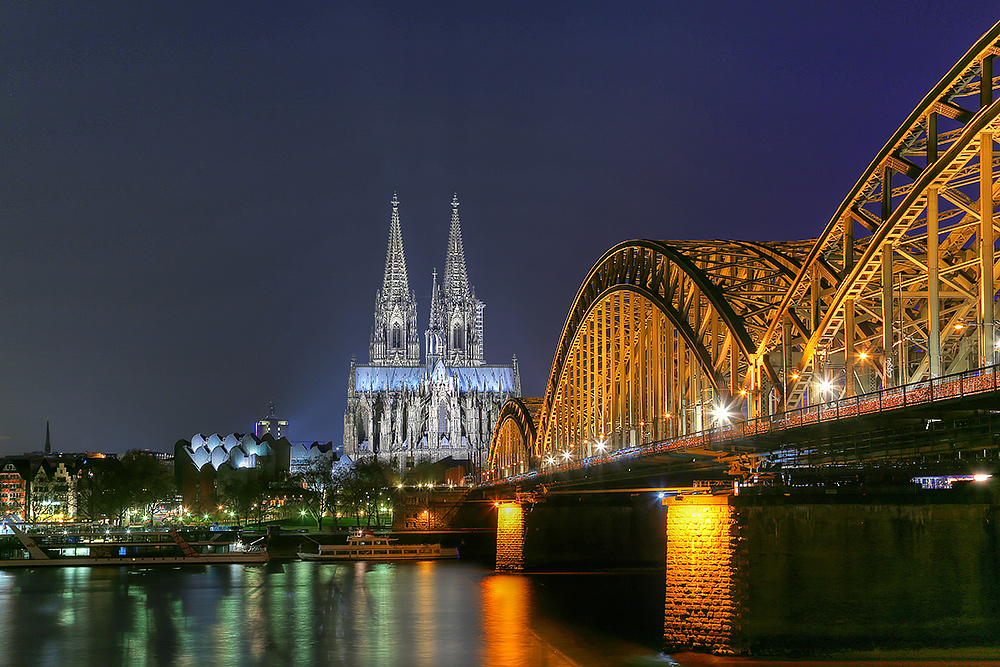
(809, 573)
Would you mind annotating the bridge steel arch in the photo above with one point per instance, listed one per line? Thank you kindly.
(514, 436)
(659, 333)
(912, 248)
(900, 286)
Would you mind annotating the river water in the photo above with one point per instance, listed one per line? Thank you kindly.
(432, 613)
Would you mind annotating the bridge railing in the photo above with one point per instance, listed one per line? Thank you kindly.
(958, 385)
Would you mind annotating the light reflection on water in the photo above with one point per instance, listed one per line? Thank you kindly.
(299, 613)
(355, 614)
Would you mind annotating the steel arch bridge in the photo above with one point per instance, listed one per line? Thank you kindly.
(666, 338)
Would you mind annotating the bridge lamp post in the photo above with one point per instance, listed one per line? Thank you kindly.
(825, 387)
(959, 326)
(721, 414)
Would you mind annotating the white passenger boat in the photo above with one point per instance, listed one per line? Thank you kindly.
(153, 548)
(369, 547)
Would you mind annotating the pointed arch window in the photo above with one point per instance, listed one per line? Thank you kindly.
(397, 337)
(457, 339)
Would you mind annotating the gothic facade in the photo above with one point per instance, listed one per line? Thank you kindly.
(406, 409)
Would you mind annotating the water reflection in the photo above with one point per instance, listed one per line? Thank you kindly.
(429, 613)
(358, 614)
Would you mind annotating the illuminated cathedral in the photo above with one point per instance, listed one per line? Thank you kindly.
(407, 410)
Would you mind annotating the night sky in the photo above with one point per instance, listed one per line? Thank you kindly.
(194, 197)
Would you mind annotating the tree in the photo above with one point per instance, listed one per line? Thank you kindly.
(244, 491)
(367, 488)
(111, 487)
(147, 482)
(325, 479)
(96, 482)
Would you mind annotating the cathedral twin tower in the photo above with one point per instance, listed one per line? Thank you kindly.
(406, 410)
(456, 321)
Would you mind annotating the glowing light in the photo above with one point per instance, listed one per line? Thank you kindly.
(721, 413)
(959, 326)
(550, 459)
(825, 386)
(601, 445)
(567, 455)
(862, 355)
(980, 477)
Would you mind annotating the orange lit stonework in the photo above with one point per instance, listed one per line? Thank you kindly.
(704, 582)
(510, 536)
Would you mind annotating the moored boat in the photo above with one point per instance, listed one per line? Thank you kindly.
(365, 546)
(144, 548)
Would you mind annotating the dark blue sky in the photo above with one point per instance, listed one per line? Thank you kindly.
(194, 197)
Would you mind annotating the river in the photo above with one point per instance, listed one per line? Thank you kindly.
(431, 613)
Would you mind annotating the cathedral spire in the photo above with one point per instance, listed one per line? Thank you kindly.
(456, 279)
(394, 336)
(395, 284)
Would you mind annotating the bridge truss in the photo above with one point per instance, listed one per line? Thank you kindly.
(666, 338)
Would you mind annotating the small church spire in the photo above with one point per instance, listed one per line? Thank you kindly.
(434, 338)
(456, 279)
(48, 442)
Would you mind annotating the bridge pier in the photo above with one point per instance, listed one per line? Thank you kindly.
(705, 575)
(814, 571)
(581, 531)
(510, 536)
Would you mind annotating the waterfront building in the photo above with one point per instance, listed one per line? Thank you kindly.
(12, 490)
(405, 409)
(203, 463)
(301, 454)
(43, 485)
